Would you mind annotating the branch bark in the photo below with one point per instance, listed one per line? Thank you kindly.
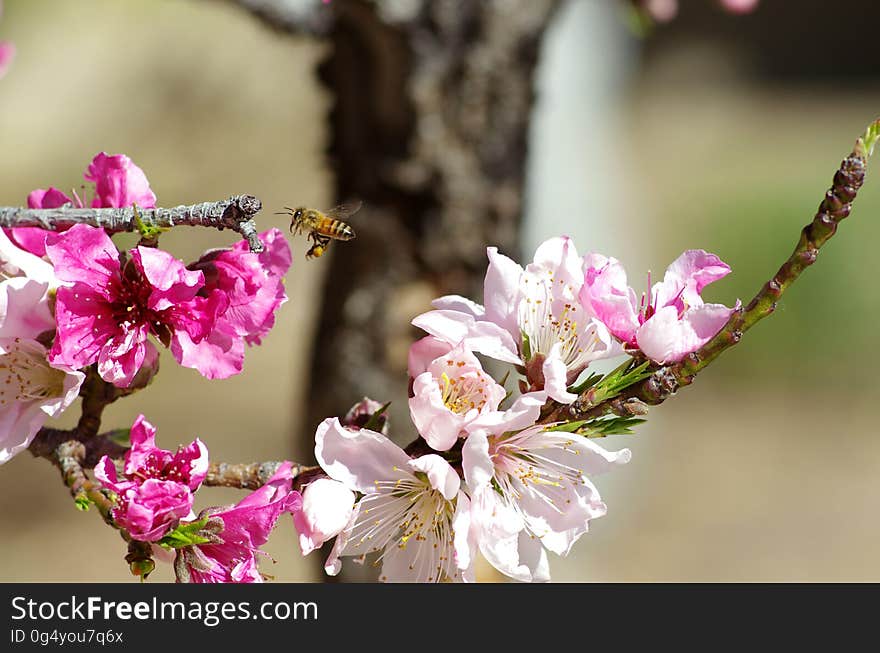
(666, 380)
(235, 213)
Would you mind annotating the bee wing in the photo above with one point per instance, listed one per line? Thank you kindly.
(345, 210)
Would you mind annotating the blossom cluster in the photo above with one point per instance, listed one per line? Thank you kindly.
(494, 472)
(71, 302)
(154, 501)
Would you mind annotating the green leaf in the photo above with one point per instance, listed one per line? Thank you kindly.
(871, 136)
(599, 428)
(82, 502)
(374, 423)
(589, 382)
(185, 535)
(569, 427)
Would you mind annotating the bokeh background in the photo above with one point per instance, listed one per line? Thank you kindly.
(714, 131)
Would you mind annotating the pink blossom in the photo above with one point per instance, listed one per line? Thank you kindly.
(362, 412)
(31, 390)
(119, 182)
(108, 309)
(327, 507)
(450, 394)
(671, 323)
(412, 511)
(252, 284)
(531, 317)
(531, 492)
(236, 533)
(158, 488)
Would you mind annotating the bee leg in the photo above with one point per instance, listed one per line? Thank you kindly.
(319, 247)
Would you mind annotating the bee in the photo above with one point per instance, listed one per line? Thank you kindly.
(322, 227)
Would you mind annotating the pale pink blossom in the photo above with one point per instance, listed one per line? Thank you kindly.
(359, 415)
(253, 287)
(236, 533)
(107, 310)
(673, 320)
(532, 317)
(412, 512)
(531, 492)
(327, 507)
(158, 485)
(450, 394)
(31, 390)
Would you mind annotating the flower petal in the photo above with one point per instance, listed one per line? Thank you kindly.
(440, 474)
(358, 458)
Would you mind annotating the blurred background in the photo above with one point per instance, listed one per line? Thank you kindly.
(713, 131)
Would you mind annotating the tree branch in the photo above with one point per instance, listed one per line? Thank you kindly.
(248, 476)
(235, 213)
(666, 380)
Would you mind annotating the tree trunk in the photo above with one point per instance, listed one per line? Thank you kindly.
(429, 129)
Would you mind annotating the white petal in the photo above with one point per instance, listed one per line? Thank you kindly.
(555, 377)
(523, 413)
(438, 425)
(481, 336)
(476, 461)
(440, 473)
(460, 304)
(501, 291)
(358, 458)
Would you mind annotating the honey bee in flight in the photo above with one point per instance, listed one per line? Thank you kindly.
(322, 227)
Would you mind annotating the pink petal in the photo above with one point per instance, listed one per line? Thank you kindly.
(606, 292)
(477, 335)
(438, 425)
(85, 254)
(556, 375)
(501, 289)
(15, 261)
(686, 277)
(460, 304)
(171, 282)
(50, 198)
(218, 356)
(357, 458)
(665, 338)
(119, 182)
(523, 413)
(327, 506)
(120, 358)
(423, 351)
(440, 474)
(85, 324)
(24, 309)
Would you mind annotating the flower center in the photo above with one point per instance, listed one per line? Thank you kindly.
(522, 466)
(25, 375)
(463, 393)
(548, 315)
(408, 510)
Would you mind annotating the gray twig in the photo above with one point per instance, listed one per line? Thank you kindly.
(235, 213)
